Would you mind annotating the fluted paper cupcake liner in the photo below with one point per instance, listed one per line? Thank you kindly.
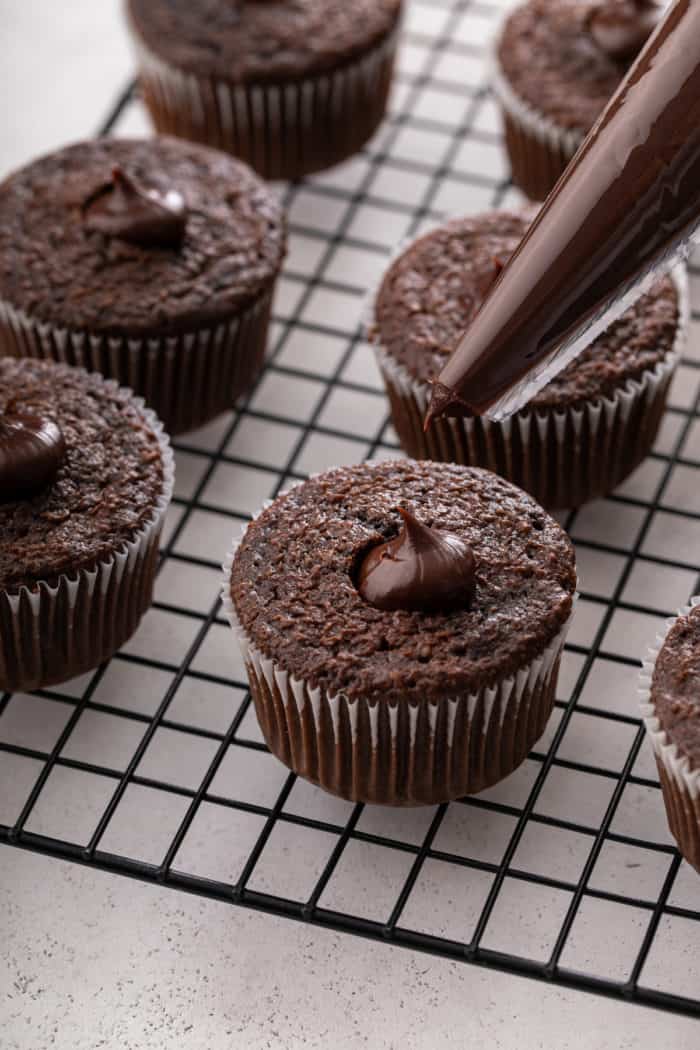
(187, 379)
(62, 628)
(562, 457)
(538, 148)
(680, 782)
(418, 752)
(284, 130)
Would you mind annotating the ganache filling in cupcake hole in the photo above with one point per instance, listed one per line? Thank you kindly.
(421, 569)
(621, 28)
(125, 209)
(32, 449)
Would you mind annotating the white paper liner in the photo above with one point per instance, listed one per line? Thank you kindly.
(533, 448)
(677, 766)
(63, 629)
(680, 782)
(186, 379)
(405, 754)
(279, 128)
(562, 141)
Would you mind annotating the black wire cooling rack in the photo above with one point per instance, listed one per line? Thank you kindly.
(153, 766)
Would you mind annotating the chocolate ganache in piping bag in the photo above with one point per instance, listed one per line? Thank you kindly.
(625, 210)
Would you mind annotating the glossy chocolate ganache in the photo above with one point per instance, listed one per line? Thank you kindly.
(621, 28)
(125, 209)
(31, 451)
(422, 570)
(626, 206)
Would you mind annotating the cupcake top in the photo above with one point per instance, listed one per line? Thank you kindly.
(433, 290)
(297, 576)
(675, 686)
(260, 40)
(127, 237)
(95, 464)
(565, 58)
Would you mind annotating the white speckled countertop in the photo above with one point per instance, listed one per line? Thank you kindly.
(89, 959)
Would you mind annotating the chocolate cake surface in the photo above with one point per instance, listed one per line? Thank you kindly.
(433, 290)
(253, 41)
(675, 689)
(108, 483)
(57, 268)
(554, 64)
(294, 577)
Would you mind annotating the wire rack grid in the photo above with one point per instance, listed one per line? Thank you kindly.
(154, 767)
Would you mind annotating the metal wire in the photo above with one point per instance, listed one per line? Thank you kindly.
(276, 815)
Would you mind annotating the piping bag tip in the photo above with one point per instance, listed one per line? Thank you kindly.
(442, 400)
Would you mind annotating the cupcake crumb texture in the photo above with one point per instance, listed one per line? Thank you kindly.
(294, 592)
(107, 485)
(58, 271)
(676, 686)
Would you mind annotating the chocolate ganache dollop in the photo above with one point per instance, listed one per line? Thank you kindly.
(624, 211)
(621, 28)
(124, 209)
(420, 570)
(31, 451)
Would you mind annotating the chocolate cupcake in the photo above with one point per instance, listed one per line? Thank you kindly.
(402, 625)
(86, 475)
(557, 64)
(291, 86)
(670, 693)
(152, 262)
(585, 431)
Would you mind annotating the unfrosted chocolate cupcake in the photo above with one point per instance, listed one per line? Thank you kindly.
(558, 63)
(291, 86)
(670, 692)
(86, 475)
(402, 625)
(152, 262)
(585, 431)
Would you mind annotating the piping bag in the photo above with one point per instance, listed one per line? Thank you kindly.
(625, 211)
